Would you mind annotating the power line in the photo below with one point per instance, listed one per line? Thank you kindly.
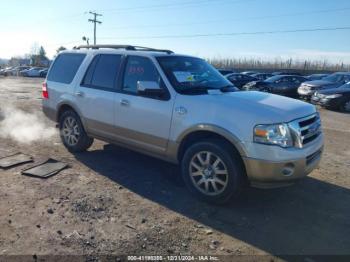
(168, 5)
(95, 21)
(234, 19)
(233, 34)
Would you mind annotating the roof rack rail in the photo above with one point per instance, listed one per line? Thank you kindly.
(126, 47)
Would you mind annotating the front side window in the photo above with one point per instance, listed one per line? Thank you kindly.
(139, 68)
(65, 67)
(188, 74)
(235, 77)
(346, 78)
(298, 80)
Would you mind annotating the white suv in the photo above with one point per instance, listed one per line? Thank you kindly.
(180, 109)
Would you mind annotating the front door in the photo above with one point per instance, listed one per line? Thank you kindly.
(141, 121)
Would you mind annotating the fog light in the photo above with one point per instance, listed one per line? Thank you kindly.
(288, 169)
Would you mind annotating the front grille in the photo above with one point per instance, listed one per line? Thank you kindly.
(307, 87)
(306, 130)
(310, 129)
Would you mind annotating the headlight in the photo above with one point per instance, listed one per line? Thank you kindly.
(333, 96)
(273, 135)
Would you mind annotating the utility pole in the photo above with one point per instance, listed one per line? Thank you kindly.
(95, 21)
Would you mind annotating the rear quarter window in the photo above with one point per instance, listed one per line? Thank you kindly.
(65, 67)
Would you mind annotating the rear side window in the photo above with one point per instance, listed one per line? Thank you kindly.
(103, 71)
(65, 67)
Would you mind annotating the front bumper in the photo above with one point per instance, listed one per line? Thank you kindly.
(265, 173)
(326, 102)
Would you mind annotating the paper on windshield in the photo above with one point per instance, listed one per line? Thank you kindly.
(183, 76)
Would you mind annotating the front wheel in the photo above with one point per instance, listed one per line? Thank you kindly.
(72, 133)
(212, 172)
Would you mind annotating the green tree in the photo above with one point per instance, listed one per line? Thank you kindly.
(42, 53)
(38, 56)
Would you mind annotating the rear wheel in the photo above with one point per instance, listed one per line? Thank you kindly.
(72, 132)
(212, 172)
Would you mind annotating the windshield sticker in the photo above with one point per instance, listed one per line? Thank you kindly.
(182, 76)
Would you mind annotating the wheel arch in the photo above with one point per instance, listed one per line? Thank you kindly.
(64, 106)
(204, 131)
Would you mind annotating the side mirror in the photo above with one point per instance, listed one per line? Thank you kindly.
(149, 88)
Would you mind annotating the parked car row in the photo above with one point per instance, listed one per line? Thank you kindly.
(12, 71)
(26, 71)
(328, 90)
(308, 89)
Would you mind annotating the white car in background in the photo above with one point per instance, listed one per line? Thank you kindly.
(32, 72)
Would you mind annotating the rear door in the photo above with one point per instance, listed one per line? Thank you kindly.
(95, 96)
(143, 122)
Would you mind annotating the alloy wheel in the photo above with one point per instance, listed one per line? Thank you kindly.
(70, 131)
(209, 173)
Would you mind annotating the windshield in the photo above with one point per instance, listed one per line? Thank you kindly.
(273, 79)
(189, 73)
(334, 78)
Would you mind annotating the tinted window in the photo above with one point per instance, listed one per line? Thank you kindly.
(248, 77)
(298, 79)
(90, 71)
(139, 69)
(103, 71)
(236, 77)
(346, 78)
(273, 79)
(65, 67)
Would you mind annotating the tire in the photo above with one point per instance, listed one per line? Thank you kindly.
(224, 165)
(345, 106)
(72, 132)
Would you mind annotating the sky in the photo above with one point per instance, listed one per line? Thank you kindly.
(179, 25)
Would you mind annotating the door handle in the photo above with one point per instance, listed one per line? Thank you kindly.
(79, 93)
(124, 102)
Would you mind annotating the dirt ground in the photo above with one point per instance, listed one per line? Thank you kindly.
(113, 201)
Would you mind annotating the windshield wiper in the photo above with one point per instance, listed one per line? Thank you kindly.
(229, 88)
(197, 89)
(204, 89)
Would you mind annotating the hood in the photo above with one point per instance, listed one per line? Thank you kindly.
(318, 83)
(274, 107)
(339, 90)
(239, 112)
(256, 107)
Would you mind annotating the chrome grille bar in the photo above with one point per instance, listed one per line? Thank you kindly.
(305, 130)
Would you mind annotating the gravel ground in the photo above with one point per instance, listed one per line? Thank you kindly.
(113, 201)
